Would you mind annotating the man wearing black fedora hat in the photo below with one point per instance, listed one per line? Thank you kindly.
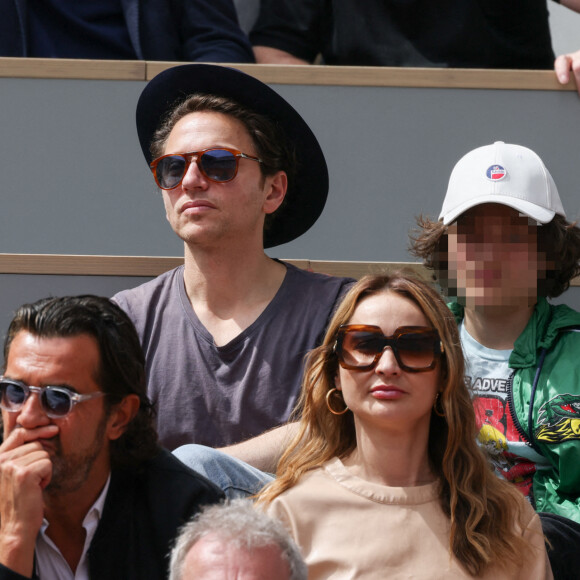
(225, 335)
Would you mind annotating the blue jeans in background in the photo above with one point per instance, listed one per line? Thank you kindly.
(233, 476)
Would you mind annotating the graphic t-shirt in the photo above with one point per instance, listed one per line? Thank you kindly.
(488, 375)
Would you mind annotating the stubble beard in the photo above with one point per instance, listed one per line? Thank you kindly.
(71, 471)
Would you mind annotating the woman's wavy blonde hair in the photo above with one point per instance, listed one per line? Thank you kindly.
(482, 509)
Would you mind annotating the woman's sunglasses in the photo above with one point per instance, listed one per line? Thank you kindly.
(219, 164)
(56, 402)
(359, 347)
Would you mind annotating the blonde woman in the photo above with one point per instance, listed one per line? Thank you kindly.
(385, 479)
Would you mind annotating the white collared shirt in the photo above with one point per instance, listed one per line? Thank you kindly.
(50, 563)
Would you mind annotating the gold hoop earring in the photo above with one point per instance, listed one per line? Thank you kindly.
(435, 410)
(328, 403)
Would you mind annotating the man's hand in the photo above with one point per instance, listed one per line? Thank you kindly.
(268, 55)
(566, 63)
(25, 470)
(571, 61)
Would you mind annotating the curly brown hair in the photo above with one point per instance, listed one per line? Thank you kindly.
(558, 240)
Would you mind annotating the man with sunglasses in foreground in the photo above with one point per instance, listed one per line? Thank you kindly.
(85, 490)
(225, 335)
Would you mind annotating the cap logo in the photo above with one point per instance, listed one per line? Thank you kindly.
(495, 172)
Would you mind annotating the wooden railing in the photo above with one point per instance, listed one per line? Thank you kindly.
(295, 74)
(150, 266)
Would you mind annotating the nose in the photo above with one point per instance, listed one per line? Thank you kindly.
(32, 414)
(387, 364)
(194, 178)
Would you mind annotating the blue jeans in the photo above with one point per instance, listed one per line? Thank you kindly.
(233, 476)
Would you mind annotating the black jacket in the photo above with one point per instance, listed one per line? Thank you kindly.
(171, 30)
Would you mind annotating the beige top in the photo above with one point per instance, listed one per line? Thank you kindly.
(349, 528)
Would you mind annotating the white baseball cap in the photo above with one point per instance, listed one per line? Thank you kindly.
(502, 173)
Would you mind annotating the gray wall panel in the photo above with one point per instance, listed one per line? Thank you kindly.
(74, 180)
(17, 289)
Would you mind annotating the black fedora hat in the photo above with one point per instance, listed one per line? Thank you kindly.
(308, 191)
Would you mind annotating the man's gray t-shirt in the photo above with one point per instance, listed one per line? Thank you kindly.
(218, 395)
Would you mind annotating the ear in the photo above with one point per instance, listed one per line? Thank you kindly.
(121, 415)
(276, 187)
(337, 382)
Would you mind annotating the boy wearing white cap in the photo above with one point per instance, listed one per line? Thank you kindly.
(502, 245)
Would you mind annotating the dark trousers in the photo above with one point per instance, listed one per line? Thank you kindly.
(563, 545)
